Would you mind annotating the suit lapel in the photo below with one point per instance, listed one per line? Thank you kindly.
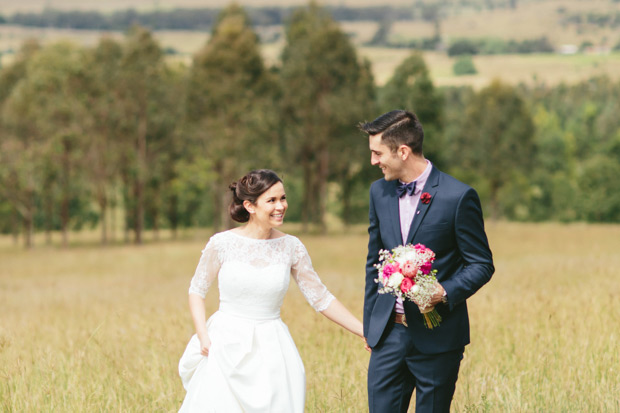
(394, 212)
(432, 185)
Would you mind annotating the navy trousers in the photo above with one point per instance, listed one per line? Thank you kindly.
(397, 368)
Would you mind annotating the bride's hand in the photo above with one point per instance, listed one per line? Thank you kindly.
(205, 344)
(366, 346)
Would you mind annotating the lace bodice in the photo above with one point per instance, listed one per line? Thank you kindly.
(254, 274)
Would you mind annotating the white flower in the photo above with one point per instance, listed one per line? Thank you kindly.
(415, 289)
(410, 255)
(395, 280)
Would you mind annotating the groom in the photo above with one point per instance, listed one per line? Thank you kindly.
(417, 203)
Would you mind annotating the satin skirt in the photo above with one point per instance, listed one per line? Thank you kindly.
(253, 366)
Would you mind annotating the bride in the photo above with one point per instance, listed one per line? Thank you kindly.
(243, 358)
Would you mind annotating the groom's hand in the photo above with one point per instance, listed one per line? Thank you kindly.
(438, 296)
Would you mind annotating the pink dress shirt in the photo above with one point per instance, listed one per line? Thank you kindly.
(407, 207)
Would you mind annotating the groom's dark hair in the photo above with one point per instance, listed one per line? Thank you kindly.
(399, 127)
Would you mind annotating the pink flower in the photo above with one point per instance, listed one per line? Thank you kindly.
(406, 285)
(389, 269)
(426, 268)
(409, 270)
(420, 247)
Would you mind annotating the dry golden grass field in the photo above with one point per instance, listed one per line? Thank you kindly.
(101, 329)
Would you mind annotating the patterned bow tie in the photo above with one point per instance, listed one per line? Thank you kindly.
(403, 189)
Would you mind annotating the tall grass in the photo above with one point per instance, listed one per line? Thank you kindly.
(101, 329)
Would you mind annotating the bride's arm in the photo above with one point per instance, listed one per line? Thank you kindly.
(339, 314)
(206, 273)
(197, 309)
(317, 294)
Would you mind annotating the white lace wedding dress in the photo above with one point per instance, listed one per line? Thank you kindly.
(253, 364)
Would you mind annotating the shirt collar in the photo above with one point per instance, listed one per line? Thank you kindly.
(421, 180)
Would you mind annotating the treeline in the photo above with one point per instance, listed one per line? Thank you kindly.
(466, 46)
(116, 136)
(85, 132)
(205, 18)
(187, 19)
(597, 19)
(490, 46)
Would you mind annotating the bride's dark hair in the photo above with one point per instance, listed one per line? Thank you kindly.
(249, 188)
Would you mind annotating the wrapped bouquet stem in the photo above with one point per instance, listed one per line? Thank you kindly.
(406, 272)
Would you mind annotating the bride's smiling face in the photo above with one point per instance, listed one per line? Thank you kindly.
(270, 206)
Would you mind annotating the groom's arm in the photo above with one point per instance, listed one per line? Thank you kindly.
(374, 245)
(473, 247)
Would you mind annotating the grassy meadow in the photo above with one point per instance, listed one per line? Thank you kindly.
(93, 328)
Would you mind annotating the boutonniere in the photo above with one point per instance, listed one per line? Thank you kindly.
(425, 197)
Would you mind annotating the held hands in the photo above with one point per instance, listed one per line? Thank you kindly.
(205, 344)
(366, 346)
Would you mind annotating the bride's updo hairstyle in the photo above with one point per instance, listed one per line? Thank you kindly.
(249, 188)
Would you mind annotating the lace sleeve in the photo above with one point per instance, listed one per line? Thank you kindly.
(308, 280)
(206, 271)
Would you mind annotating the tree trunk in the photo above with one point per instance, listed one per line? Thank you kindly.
(128, 204)
(29, 220)
(173, 214)
(494, 200)
(155, 217)
(226, 199)
(137, 214)
(66, 192)
(218, 223)
(112, 209)
(15, 227)
(346, 189)
(307, 191)
(322, 176)
(103, 206)
(28, 230)
(49, 215)
(141, 176)
(64, 221)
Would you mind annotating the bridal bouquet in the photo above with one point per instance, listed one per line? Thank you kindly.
(406, 273)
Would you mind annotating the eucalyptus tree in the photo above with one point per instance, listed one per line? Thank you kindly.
(354, 173)
(140, 99)
(497, 138)
(50, 116)
(102, 153)
(411, 88)
(230, 110)
(322, 101)
(553, 177)
(15, 202)
(585, 116)
(166, 148)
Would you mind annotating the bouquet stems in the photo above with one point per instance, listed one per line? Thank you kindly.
(431, 317)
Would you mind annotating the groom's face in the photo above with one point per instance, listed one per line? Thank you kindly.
(382, 156)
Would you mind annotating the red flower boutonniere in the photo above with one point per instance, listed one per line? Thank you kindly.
(425, 197)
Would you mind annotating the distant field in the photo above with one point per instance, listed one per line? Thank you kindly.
(529, 69)
(530, 20)
(11, 6)
(101, 329)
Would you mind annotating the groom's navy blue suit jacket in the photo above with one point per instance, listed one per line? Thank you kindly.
(451, 225)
